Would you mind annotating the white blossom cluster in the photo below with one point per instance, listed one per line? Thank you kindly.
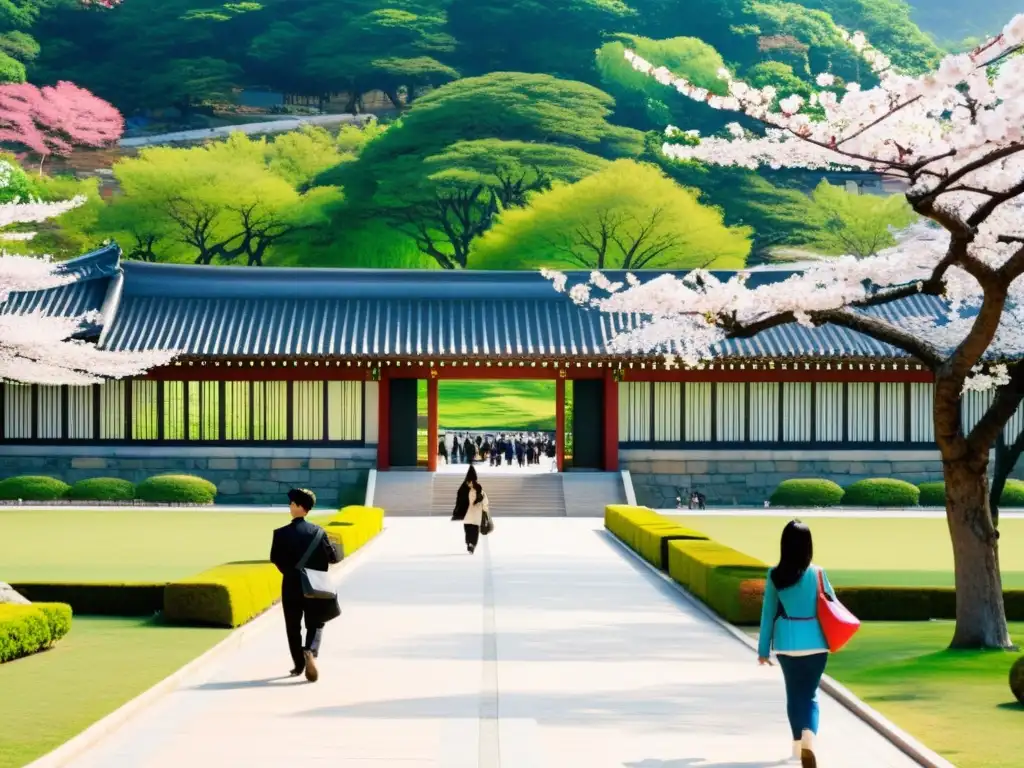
(957, 136)
(38, 349)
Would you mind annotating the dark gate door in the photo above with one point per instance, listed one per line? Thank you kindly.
(402, 422)
(588, 424)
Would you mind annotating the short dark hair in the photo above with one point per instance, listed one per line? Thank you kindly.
(304, 497)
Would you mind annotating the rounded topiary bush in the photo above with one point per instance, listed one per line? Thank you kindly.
(32, 488)
(176, 489)
(102, 489)
(933, 494)
(810, 492)
(1017, 679)
(1013, 494)
(881, 492)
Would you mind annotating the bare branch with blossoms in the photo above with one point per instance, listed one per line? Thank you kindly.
(40, 349)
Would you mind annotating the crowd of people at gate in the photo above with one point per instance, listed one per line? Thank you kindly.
(502, 449)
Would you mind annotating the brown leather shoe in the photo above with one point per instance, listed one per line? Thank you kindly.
(312, 674)
(807, 759)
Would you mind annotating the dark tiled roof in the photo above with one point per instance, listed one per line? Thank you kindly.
(92, 275)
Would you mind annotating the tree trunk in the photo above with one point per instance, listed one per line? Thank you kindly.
(980, 614)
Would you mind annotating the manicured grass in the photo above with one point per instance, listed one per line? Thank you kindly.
(127, 545)
(524, 405)
(868, 551)
(103, 663)
(957, 702)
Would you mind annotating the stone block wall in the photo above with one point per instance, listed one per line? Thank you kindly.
(242, 475)
(749, 477)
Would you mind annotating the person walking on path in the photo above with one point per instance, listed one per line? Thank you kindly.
(790, 626)
(478, 509)
(293, 543)
(462, 496)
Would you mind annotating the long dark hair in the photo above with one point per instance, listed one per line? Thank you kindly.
(470, 476)
(479, 492)
(795, 553)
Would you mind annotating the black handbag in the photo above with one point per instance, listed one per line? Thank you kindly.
(315, 584)
(486, 524)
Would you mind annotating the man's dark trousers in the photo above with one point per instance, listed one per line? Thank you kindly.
(294, 609)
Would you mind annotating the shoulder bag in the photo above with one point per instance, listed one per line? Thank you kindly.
(838, 624)
(315, 584)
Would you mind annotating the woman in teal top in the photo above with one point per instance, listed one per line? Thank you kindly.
(789, 625)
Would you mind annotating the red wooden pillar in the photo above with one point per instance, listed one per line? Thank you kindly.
(383, 422)
(611, 422)
(560, 422)
(432, 422)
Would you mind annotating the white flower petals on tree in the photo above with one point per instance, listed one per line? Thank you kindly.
(39, 349)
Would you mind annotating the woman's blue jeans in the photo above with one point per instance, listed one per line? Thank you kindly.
(802, 675)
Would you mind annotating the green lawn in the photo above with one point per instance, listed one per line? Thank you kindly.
(868, 552)
(487, 404)
(126, 544)
(957, 702)
(101, 664)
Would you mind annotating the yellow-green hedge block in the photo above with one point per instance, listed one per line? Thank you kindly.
(624, 521)
(690, 562)
(28, 629)
(354, 526)
(226, 596)
(646, 532)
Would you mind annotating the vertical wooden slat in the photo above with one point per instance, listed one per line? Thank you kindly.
(844, 409)
(34, 412)
(877, 425)
(289, 405)
(814, 411)
(127, 400)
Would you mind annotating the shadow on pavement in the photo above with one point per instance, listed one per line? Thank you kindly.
(280, 681)
(698, 762)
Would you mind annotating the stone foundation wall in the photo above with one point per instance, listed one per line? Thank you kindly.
(749, 477)
(242, 475)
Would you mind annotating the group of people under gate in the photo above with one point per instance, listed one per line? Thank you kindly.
(522, 448)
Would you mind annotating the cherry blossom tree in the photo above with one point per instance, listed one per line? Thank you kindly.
(56, 119)
(38, 348)
(956, 136)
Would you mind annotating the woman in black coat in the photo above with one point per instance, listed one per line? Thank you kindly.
(462, 497)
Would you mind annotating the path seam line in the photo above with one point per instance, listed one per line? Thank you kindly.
(490, 747)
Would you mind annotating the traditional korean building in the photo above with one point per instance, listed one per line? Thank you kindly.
(309, 377)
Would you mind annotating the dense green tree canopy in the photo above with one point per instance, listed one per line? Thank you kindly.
(843, 222)
(627, 216)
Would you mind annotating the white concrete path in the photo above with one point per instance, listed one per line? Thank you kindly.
(548, 648)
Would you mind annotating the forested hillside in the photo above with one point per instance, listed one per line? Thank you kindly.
(500, 121)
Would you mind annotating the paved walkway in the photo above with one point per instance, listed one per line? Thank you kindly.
(549, 648)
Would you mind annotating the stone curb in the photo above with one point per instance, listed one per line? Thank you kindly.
(899, 738)
(121, 716)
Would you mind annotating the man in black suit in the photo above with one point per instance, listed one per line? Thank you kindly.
(290, 544)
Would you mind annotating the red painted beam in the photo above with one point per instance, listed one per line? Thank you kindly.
(432, 437)
(611, 423)
(560, 424)
(384, 424)
(493, 373)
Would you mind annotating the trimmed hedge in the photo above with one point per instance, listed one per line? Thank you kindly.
(1017, 679)
(881, 492)
(32, 488)
(27, 629)
(646, 532)
(1013, 494)
(176, 489)
(232, 594)
(102, 489)
(933, 494)
(806, 492)
(720, 576)
(98, 599)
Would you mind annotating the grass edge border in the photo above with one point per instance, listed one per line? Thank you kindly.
(120, 717)
(899, 738)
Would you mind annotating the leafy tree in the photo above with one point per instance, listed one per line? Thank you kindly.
(627, 216)
(859, 225)
(217, 203)
(540, 129)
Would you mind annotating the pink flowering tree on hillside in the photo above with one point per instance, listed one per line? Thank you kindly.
(40, 349)
(957, 137)
(56, 119)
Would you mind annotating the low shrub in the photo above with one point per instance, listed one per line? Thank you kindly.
(933, 494)
(27, 629)
(881, 492)
(176, 489)
(32, 488)
(1013, 494)
(102, 489)
(226, 596)
(97, 599)
(646, 532)
(353, 526)
(718, 575)
(1017, 679)
(807, 492)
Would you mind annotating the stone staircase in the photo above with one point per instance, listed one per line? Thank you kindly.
(417, 493)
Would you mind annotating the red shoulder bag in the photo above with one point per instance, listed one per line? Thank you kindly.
(838, 624)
